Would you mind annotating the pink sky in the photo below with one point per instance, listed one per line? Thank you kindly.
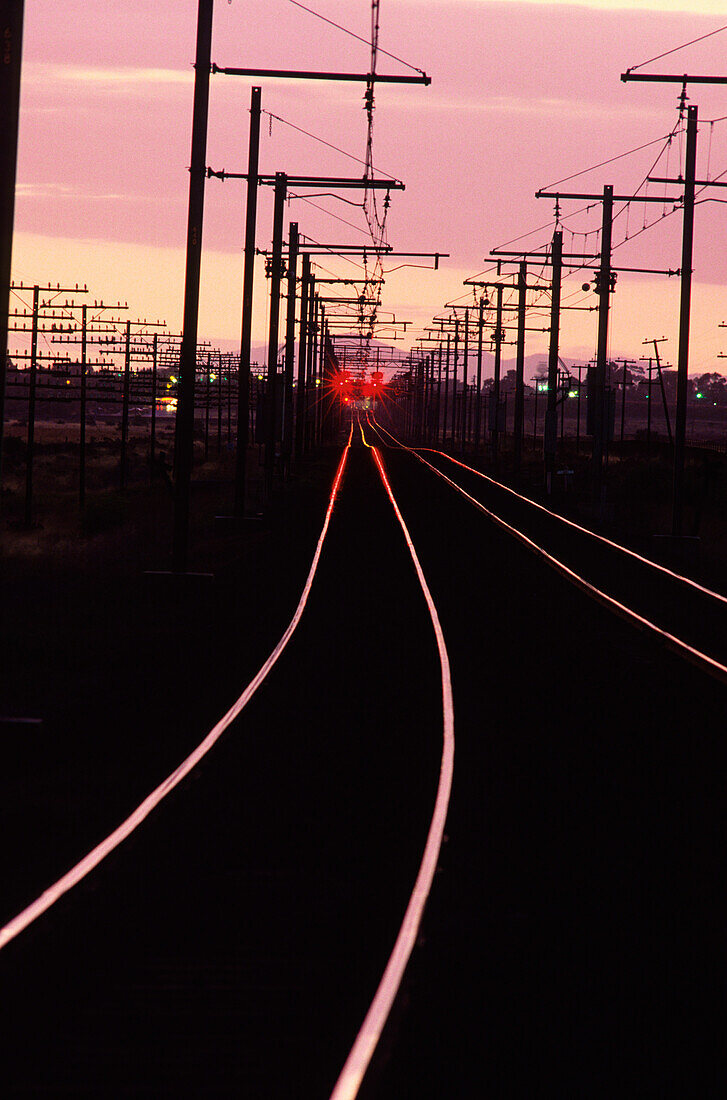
(521, 95)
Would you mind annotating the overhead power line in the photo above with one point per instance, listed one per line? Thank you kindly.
(676, 49)
(358, 37)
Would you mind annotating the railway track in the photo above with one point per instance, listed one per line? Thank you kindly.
(340, 655)
(688, 617)
(258, 930)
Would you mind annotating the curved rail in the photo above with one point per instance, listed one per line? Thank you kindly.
(696, 656)
(358, 1060)
(704, 591)
(50, 896)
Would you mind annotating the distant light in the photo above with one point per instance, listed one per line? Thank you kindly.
(572, 393)
(700, 395)
(172, 378)
(318, 381)
(259, 377)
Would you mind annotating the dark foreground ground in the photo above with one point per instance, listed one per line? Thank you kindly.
(574, 942)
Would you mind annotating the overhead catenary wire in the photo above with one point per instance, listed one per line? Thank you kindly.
(352, 34)
(330, 145)
(684, 45)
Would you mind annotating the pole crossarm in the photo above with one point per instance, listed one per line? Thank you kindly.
(617, 198)
(357, 249)
(315, 181)
(672, 78)
(335, 249)
(544, 256)
(352, 282)
(599, 198)
(337, 181)
(307, 74)
(697, 183)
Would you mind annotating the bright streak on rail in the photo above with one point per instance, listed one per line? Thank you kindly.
(50, 896)
(362, 1051)
(569, 523)
(703, 660)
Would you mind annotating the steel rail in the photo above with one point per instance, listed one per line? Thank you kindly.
(586, 530)
(708, 664)
(90, 861)
(352, 1074)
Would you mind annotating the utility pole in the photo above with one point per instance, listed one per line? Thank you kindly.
(454, 382)
(271, 427)
(11, 29)
(188, 351)
(605, 282)
(300, 402)
(478, 399)
(520, 367)
(82, 439)
(31, 412)
(604, 300)
(125, 406)
(550, 433)
(465, 365)
(684, 316)
(243, 382)
(495, 399)
(290, 343)
(662, 388)
(446, 390)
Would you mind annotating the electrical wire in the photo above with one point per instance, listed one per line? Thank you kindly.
(358, 38)
(322, 141)
(676, 49)
(611, 160)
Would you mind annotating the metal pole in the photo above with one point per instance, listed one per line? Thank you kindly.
(478, 399)
(598, 413)
(664, 401)
(219, 402)
(188, 352)
(243, 396)
(680, 423)
(82, 427)
(208, 401)
(311, 395)
(322, 370)
(455, 411)
(438, 427)
(550, 433)
(520, 367)
(125, 406)
(290, 342)
(31, 412)
(281, 187)
(300, 403)
(495, 428)
(11, 30)
(228, 390)
(465, 366)
(154, 365)
(446, 392)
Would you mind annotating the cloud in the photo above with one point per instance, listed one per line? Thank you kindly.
(58, 191)
(127, 77)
